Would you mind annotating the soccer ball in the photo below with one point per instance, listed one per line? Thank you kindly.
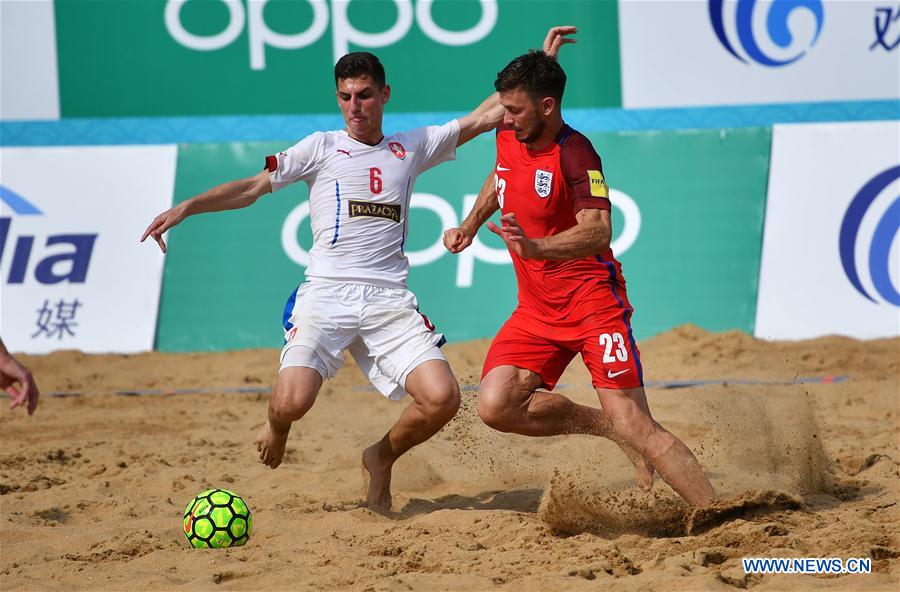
(217, 518)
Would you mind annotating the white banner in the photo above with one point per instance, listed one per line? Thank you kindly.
(72, 272)
(29, 88)
(831, 258)
(715, 52)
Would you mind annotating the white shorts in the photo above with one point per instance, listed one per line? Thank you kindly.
(382, 329)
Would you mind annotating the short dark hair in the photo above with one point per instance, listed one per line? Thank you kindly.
(534, 72)
(357, 64)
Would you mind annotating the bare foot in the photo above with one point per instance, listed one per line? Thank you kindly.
(643, 470)
(377, 472)
(270, 444)
(643, 474)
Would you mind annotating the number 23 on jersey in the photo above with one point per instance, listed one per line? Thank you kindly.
(500, 188)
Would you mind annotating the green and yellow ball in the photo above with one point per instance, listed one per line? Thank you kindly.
(216, 519)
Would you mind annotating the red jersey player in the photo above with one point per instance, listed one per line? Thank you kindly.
(548, 183)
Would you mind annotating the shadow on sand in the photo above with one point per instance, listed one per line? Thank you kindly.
(521, 500)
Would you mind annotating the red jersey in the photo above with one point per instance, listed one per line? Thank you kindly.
(545, 189)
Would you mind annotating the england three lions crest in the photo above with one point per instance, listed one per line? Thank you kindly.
(543, 181)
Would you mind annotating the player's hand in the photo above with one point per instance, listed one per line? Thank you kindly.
(514, 237)
(556, 38)
(456, 240)
(162, 223)
(12, 372)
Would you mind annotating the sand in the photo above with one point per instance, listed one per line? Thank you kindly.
(92, 487)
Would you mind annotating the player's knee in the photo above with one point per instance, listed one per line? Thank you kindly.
(493, 417)
(493, 410)
(442, 400)
(295, 392)
(450, 404)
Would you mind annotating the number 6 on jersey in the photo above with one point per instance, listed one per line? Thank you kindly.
(375, 180)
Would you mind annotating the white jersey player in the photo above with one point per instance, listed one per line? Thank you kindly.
(355, 296)
(359, 206)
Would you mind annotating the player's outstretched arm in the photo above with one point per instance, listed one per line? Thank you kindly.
(12, 372)
(457, 239)
(590, 236)
(227, 196)
(489, 113)
(484, 118)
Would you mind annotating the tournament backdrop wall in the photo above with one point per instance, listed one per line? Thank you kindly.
(688, 214)
(688, 217)
(108, 58)
(168, 57)
(72, 272)
(831, 258)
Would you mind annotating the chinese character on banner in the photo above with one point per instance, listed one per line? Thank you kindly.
(57, 320)
(887, 28)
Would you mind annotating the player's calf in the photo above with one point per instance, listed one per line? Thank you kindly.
(537, 413)
(294, 394)
(633, 427)
(674, 461)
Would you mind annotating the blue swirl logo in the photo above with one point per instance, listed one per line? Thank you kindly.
(885, 234)
(776, 28)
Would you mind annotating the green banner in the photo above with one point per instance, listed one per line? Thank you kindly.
(688, 222)
(702, 197)
(227, 277)
(219, 57)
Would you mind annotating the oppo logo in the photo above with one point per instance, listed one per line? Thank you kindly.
(342, 30)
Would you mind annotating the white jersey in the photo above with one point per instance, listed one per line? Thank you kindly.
(359, 198)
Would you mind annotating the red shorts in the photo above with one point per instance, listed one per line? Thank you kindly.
(604, 340)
